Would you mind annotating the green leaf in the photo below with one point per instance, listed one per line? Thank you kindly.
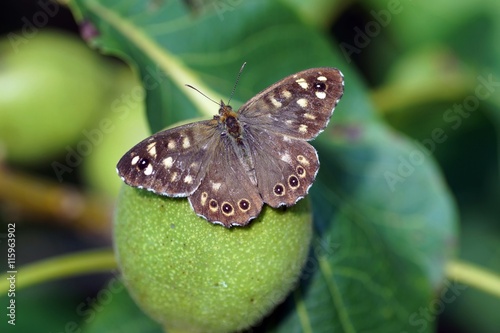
(380, 245)
(39, 308)
(171, 48)
(317, 13)
(405, 18)
(380, 250)
(120, 314)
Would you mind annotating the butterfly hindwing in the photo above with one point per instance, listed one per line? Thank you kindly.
(227, 195)
(299, 106)
(285, 175)
(171, 162)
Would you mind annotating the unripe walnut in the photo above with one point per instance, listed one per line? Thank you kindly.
(193, 276)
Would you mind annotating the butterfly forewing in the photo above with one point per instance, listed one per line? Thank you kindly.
(172, 162)
(299, 106)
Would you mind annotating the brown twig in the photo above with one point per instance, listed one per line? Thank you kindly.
(49, 201)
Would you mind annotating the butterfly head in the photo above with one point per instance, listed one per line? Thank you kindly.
(225, 109)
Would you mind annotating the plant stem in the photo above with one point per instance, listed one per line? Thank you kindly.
(474, 276)
(55, 202)
(73, 264)
(398, 96)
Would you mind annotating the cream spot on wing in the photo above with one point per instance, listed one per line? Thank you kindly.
(203, 198)
(135, 160)
(168, 162)
(288, 122)
(302, 102)
(171, 144)
(303, 83)
(175, 177)
(309, 116)
(286, 94)
(193, 165)
(275, 102)
(287, 138)
(186, 143)
(152, 149)
(216, 186)
(152, 152)
(303, 128)
(321, 78)
(149, 170)
(321, 94)
(188, 179)
(286, 158)
(302, 160)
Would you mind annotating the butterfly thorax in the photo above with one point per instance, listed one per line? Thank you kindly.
(232, 133)
(229, 120)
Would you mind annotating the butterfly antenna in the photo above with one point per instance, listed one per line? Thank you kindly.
(190, 86)
(236, 83)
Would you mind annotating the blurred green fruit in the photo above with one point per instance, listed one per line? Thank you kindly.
(128, 127)
(53, 87)
(193, 276)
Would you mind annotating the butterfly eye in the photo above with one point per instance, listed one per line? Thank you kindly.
(320, 86)
(143, 164)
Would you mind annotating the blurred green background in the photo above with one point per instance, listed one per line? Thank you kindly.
(421, 98)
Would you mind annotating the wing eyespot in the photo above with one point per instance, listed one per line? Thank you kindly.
(143, 163)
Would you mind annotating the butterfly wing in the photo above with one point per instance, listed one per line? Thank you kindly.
(228, 181)
(286, 169)
(299, 106)
(228, 193)
(171, 162)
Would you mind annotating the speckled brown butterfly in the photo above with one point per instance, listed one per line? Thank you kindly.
(230, 165)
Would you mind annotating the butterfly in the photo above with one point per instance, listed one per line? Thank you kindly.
(229, 166)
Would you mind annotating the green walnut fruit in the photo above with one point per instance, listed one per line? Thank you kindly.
(193, 276)
(53, 89)
(128, 125)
